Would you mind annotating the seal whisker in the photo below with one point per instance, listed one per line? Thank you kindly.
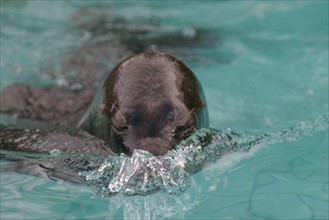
(190, 112)
(113, 106)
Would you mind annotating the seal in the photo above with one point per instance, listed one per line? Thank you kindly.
(150, 101)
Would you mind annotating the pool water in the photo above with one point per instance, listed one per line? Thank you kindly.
(264, 69)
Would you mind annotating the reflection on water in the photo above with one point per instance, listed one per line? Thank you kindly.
(73, 201)
(159, 205)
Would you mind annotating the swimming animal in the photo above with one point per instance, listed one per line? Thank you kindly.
(150, 101)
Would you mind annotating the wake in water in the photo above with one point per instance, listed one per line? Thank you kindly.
(143, 173)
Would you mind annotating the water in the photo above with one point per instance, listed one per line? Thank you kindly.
(264, 69)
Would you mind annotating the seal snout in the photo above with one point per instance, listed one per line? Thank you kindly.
(155, 145)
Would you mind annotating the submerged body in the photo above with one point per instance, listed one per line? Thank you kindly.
(150, 101)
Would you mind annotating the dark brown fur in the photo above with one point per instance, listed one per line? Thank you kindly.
(150, 101)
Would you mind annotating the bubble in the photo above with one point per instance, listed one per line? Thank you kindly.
(76, 87)
(55, 152)
(18, 70)
(62, 82)
(189, 32)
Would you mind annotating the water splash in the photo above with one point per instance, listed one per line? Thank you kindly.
(144, 173)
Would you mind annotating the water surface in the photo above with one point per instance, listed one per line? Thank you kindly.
(264, 69)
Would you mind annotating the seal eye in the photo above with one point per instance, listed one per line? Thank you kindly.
(177, 131)
(120, 130)
(182, 132)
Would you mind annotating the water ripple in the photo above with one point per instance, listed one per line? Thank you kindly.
(144, 173)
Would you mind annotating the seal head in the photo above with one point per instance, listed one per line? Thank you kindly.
(150, 101)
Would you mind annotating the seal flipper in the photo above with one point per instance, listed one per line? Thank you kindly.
(38, 170)
(51, 140)
(52, 153)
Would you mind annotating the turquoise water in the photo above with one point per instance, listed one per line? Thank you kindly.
(266, 71)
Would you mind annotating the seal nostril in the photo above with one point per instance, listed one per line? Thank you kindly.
(156, 146)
